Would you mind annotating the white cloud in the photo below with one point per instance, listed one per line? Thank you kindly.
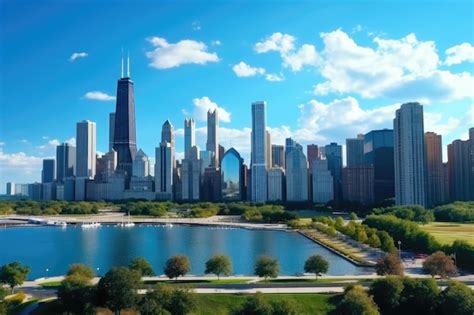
(71, 141)
(2, 144)
(196, 25)
(437, 123)
(403, 69)
(78, 55)
(292, 58)
(99, 96)
(168, 55)
(244, 70)
(24, 141)
(216, 43)
(204, 104)
(459, 53)
(53, 143)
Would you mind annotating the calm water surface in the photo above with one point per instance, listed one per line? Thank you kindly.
(55, 248)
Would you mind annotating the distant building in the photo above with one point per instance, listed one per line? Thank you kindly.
(189, 136)
(206, 157)
(333, 154)
(276, 181)
(191, 176)
(358, 184)
(211, 187)
(312, 152)
(212, 143)
(164, 163)
(35, 191)
(355, 151)
(65, 161)
(221, 153)
(141, 165)
(48, 191)
(21, 190)
(111, 131)
(106, 166)
(142, 184)
(258, 164)
(296, 174)
(323, 185)
(11, 191)
(232, 176)
(278, 156)
(269, 149)
(48, 174)
(378, 152)
(409, 150)
(460, 175)
(434, 169)
(85, 150)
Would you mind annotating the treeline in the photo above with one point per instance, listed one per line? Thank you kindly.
(458, 211)
(414, 238)
(30, 207)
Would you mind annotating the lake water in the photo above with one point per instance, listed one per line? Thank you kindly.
(55, 248)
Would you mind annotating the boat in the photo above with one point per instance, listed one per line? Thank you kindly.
(169, 225)
(129, 222)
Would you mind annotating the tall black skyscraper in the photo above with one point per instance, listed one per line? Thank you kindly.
(124, 134)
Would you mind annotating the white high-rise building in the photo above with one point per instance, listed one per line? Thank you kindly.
(409, 152)
(275, 183)
(323, 183)
(164, 163)
(11, 189)
(189, 136)
(141, 164)
(85, 149)
(191, 176)
(111, 130)
(259, 153)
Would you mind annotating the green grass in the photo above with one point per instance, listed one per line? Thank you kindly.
(50, 284)
(305, 303)
(221, 281)
(222, 304)
(447, 232)
(318, 281)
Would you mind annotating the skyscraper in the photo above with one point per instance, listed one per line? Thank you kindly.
(11, 189)
(212, 143)
(358, 184)
(189, 136)
(191, 175)
(111, 130)
(164, 163)
(409, 153)
(48, 174)
(65, 161)
(323, 183)
(232, 176)
(85, 150)
(378, 152)
(296, 174)
(355, 151)
(434, 169)
(259, 153)
(124, 132)
(460, 170)
(333, 153)
(276, 177)
(269, 149)
(278, 156)
(312, 152)
(141, 165)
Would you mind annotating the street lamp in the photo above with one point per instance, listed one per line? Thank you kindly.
(399, 249)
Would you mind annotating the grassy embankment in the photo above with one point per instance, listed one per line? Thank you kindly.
(447, 232)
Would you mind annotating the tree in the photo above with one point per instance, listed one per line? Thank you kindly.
(142, 266)
(182, 302)
(219, 264)
(457, 299)
(118, 288)
(254, 305)
(389, 265)
(81, 270)
(354, 216)
(386, 293)
(356, 301)
(177, 266)
(76, 294)
(316, 264)
(267, 267)
(438, 264)
(374, 241)
(156, 301)
(419, 296)
(283, 307)
(386, 242)
(13, 274)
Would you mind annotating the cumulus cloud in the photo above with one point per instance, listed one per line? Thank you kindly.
(99, 96)
(292, 57)
(78, 55)
(459, 54)
(204, 104)
(53, 143)
(402, 69)
(243, 70)
(169, 55)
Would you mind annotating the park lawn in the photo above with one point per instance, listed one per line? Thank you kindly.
(318, 281)
(199, 281)
(448, 232)
(50, 284)
(305, 303)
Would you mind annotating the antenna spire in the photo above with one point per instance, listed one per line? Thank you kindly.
(128, 65)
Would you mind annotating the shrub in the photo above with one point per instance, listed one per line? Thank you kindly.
(356, 301)
(387, 292)
(438, 264)
(389, 265)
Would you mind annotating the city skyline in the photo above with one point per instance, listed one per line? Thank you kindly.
(293, 108)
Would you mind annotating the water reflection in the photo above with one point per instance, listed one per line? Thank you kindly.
(55, 249)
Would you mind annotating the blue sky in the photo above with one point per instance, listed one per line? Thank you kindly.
(327, 69)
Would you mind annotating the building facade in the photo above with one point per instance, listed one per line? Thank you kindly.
(232, 177)
(258, 161)
(333, 154)
(323, 182)
(358, 184)
(86, 149)
(276, 184)
(65, 161)
(212, 144)
(355, 151)
(296, 175)
(48, 174)
(434, 169)
(278, 155)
